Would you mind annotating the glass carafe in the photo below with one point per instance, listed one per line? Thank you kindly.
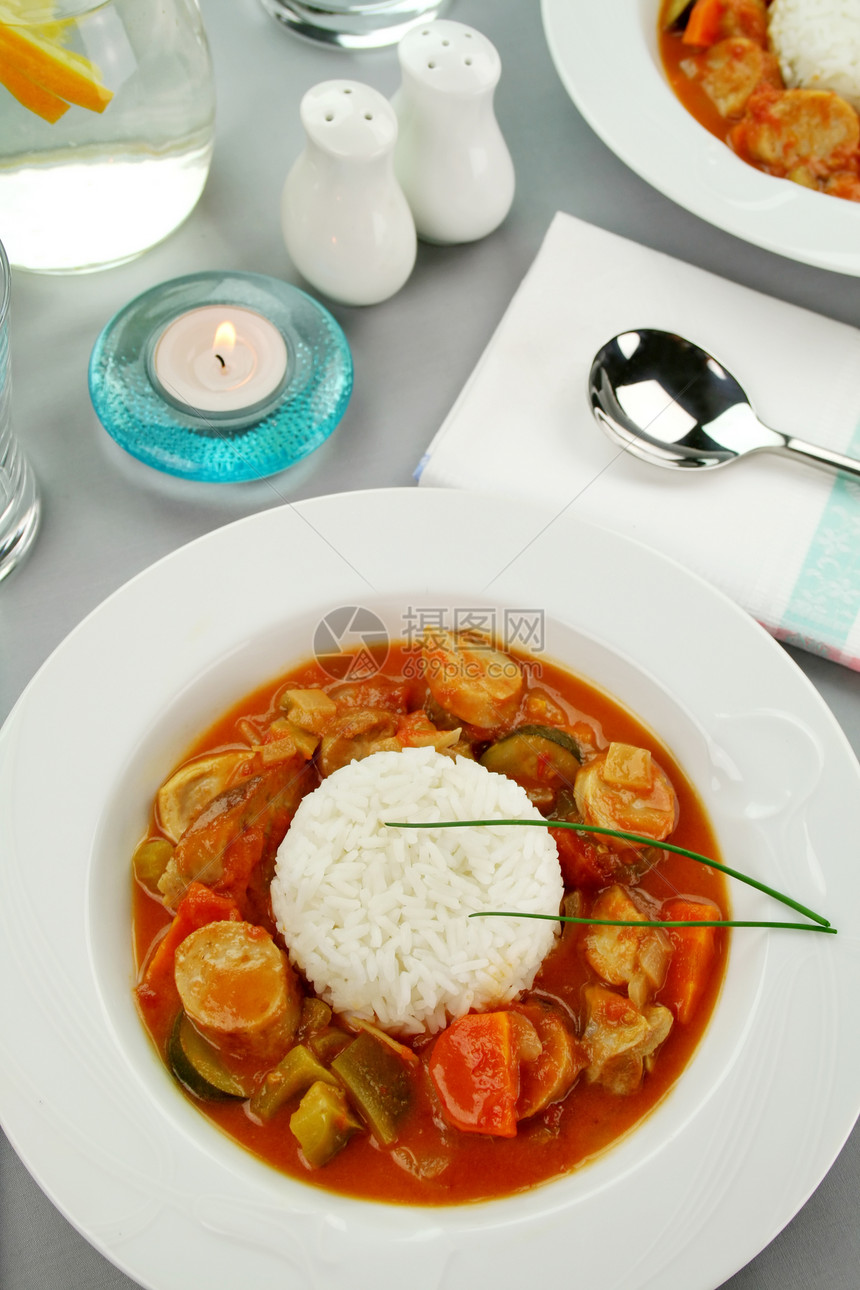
(107, 116)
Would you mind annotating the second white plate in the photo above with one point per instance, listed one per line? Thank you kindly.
(608, 59)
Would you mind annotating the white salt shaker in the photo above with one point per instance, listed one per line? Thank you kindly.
(451, 159)
(346, 223)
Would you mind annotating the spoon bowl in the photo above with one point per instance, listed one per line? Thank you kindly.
(669, 402)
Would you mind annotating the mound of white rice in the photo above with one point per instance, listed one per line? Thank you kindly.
(377, 918)
(817, 43)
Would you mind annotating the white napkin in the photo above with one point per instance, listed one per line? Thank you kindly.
(780, 537)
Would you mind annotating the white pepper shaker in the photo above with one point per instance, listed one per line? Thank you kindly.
(451, 159)
(346, 223)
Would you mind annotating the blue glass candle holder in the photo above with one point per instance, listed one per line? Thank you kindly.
(139, 362)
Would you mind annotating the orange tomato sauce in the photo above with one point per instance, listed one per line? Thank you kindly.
(432, 1163)
(673, 52)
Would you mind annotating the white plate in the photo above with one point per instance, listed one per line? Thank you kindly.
(609, 62)
(712, 1174)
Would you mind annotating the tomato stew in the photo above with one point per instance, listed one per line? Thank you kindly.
(567, 1086)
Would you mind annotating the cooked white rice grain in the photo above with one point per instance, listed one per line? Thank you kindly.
(817, 43)
(378, 918)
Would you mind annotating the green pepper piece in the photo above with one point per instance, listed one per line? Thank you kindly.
(323, 1123)
(150, 861)
(316, 1015)
(293, 1074)
(672, 13)
(378, 1082)
(326, 1044)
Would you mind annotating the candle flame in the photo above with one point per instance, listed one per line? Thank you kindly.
(225, 338)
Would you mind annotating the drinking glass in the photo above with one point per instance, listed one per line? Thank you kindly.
(353, 24)
(19, 501)
(106, 125)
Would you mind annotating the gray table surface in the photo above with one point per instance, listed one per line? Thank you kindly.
(106, 516)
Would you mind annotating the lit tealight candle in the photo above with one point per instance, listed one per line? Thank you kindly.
(220, 360)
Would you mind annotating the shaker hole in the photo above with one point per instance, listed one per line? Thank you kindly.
(431, 63)
(446, 42)
(468, 62)
(329, 116)
(368, 116)
(347, 91)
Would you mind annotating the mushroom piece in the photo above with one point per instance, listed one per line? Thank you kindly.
(632, 956)
(184, 797)
(620, 1039)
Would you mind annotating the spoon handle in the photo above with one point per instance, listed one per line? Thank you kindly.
(821, 456)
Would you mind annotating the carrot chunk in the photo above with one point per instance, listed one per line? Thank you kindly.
(714, 20)
(694, 950)
(475, 1068)
(704, 26)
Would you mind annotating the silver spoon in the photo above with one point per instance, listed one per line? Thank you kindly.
(669, 402)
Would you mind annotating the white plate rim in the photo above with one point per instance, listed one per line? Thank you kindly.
(595, 53)
(226, 1214)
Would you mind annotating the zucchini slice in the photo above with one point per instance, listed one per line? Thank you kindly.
(535, 756)
(198, 1065)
